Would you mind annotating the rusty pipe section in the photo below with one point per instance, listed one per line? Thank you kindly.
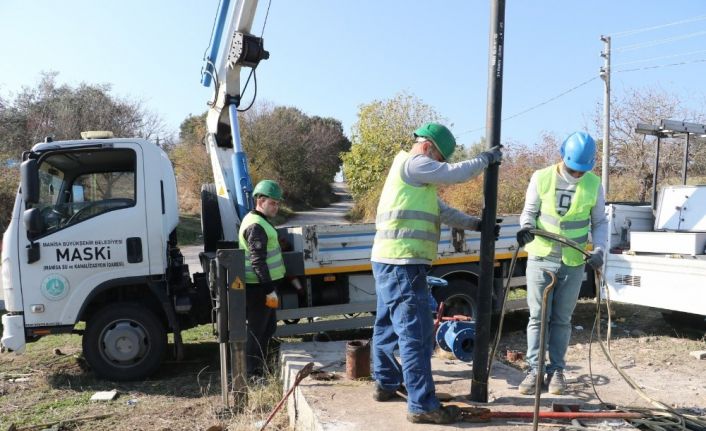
(358, 359)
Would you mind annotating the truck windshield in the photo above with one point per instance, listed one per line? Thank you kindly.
(78, 185)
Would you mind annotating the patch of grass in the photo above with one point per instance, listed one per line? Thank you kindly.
(189, 229)
(517, 294)
(55, 407)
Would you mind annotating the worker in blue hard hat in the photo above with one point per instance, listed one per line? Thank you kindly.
(566, 199)
(408, 220)
(264, 272)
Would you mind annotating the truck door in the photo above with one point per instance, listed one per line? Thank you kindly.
(94, 230)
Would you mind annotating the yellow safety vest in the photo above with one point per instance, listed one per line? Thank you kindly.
(407, 222)
(573, 225)
(275, 264)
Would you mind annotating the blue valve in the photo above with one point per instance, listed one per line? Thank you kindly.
(457, 337)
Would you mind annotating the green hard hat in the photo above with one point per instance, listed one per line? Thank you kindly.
(268, 188)
(440, 135)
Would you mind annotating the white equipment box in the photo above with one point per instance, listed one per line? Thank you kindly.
(681, 208)
(691, 243)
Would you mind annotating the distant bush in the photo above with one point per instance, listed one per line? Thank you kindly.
(9, 182)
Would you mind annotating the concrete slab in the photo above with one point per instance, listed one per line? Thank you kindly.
(343, 404)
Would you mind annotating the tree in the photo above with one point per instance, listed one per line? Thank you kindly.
(300, 152)
(519, 162)
(632, 154)
(63, 112)
(384, 127)
(192, 165)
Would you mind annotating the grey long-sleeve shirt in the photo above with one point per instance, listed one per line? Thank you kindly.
(564, 194)
(419, 170)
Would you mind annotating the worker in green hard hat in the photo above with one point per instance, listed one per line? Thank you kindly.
(408, 221)
(264, 272)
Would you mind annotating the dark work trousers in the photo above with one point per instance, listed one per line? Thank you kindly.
(262, 323)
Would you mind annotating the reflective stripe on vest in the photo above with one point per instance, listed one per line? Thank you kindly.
(275, 264)
(573, 225)
(407, 220)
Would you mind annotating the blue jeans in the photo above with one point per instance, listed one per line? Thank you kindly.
(404, 320)
(560, 306)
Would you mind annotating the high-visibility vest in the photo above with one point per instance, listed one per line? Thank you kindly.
(407, 222)
(573, 225)
(275, 264)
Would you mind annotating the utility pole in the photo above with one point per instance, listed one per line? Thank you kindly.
(605, 75)
(496, 60)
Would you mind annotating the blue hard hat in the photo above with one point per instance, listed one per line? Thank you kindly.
(579, 151)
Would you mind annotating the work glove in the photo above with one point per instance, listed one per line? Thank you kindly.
(493, 155)
(497, 228)
(524, 236)
(272, 300)
(595, 259)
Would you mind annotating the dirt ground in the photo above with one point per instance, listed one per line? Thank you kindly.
(655, 354)
(50, 383)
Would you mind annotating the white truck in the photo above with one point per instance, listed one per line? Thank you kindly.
(657, 255)
(93, 239)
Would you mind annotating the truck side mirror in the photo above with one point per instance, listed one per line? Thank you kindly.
(30, 181)
(33, 221)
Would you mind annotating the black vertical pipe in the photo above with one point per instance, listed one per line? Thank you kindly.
(654, 175)
(479, 385)
(685, 165)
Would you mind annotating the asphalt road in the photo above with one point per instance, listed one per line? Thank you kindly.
(333, 214)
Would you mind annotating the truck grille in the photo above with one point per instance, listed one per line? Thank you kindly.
(628, 280)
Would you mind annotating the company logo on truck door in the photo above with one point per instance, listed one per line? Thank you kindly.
(83, 254)
(55, 287)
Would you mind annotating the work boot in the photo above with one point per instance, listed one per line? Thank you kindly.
(529, 384)
(442, 415)
(382, 395)
(557, 382)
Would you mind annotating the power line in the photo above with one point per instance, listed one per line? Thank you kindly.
(532, 108)
(656, 27)
(658, 42)
(658, 66)
(644, 60)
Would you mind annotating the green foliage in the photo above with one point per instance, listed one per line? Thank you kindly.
(189, 229)
(300, 152)
(9, 181)
(192, 165)
(384, 128)
(63, 112)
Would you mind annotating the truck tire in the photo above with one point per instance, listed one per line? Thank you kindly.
(125, 341)
(459, 297)
(211, 227)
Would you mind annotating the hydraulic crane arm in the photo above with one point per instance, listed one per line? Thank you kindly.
(230, 50)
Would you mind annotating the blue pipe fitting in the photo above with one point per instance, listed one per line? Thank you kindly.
(457, 337)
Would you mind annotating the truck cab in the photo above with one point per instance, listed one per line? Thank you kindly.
(93, 230)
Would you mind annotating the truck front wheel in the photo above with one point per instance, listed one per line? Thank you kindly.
(124, 342)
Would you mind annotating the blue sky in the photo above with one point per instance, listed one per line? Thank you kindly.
(330, 56)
